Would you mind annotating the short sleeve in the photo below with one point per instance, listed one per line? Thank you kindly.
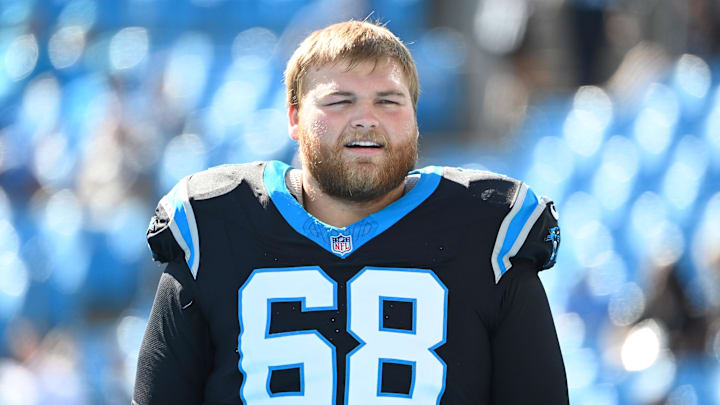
(172, 232)
(542, 243)
(529, 232)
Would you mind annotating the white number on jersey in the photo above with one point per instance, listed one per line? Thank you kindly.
(308, 351)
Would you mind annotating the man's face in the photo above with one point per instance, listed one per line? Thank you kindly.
(356, 128)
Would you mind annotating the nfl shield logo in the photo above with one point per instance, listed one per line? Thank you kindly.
(341, 244)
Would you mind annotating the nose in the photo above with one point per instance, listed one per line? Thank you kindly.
(364, 117)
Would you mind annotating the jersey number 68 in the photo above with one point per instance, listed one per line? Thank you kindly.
(315, 357)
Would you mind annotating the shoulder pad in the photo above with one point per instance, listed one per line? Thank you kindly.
(488, 186)
(174, 221)
(173, 229)
(220, 180)
(529, 231)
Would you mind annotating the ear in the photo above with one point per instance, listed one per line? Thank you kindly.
(293, 123)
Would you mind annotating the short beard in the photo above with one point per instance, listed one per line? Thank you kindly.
(355, 181)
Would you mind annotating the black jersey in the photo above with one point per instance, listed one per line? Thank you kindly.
(434, 299)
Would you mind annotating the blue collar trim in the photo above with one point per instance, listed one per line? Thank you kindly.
(342, 242)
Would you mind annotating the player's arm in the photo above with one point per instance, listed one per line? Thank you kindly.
(527, 363)
(176, 351)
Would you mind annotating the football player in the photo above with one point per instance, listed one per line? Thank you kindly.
(356, 279)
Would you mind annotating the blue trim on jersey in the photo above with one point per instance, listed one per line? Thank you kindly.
(381, 362)
(412, 301)
(181, 220)
(530, 202)
(300, 393)
(361, 231)
(444, 335)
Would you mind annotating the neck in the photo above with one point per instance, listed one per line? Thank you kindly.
(339, 212)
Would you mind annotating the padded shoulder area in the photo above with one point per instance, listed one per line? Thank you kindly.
(487, 186)
(529, 231)
(529, 228)
(173, 230)
(220, 180)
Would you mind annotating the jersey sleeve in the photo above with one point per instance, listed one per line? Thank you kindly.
(529, 232)
(527, 365)
(172, 232)
(176, 351)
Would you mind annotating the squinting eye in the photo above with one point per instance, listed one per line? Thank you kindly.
(339, 102)
(387, 102)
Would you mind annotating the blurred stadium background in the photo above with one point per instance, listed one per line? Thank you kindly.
(611, 107)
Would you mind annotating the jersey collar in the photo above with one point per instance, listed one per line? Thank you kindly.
(342, 242)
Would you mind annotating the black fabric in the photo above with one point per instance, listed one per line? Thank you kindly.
(162, 243)
(543, 241)
(527, 363)
(285, 380)
(396, 378)
(500, 343)
(397, 315)
(176, 352)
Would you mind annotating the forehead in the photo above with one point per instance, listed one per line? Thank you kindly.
(382, 74)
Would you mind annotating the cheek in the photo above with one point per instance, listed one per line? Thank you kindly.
(411, 128)
(319, 127)
(315, 124)
(406, 126)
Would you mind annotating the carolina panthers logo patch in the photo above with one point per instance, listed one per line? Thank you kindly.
(554, 238)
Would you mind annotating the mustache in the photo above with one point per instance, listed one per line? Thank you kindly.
(363, 135)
